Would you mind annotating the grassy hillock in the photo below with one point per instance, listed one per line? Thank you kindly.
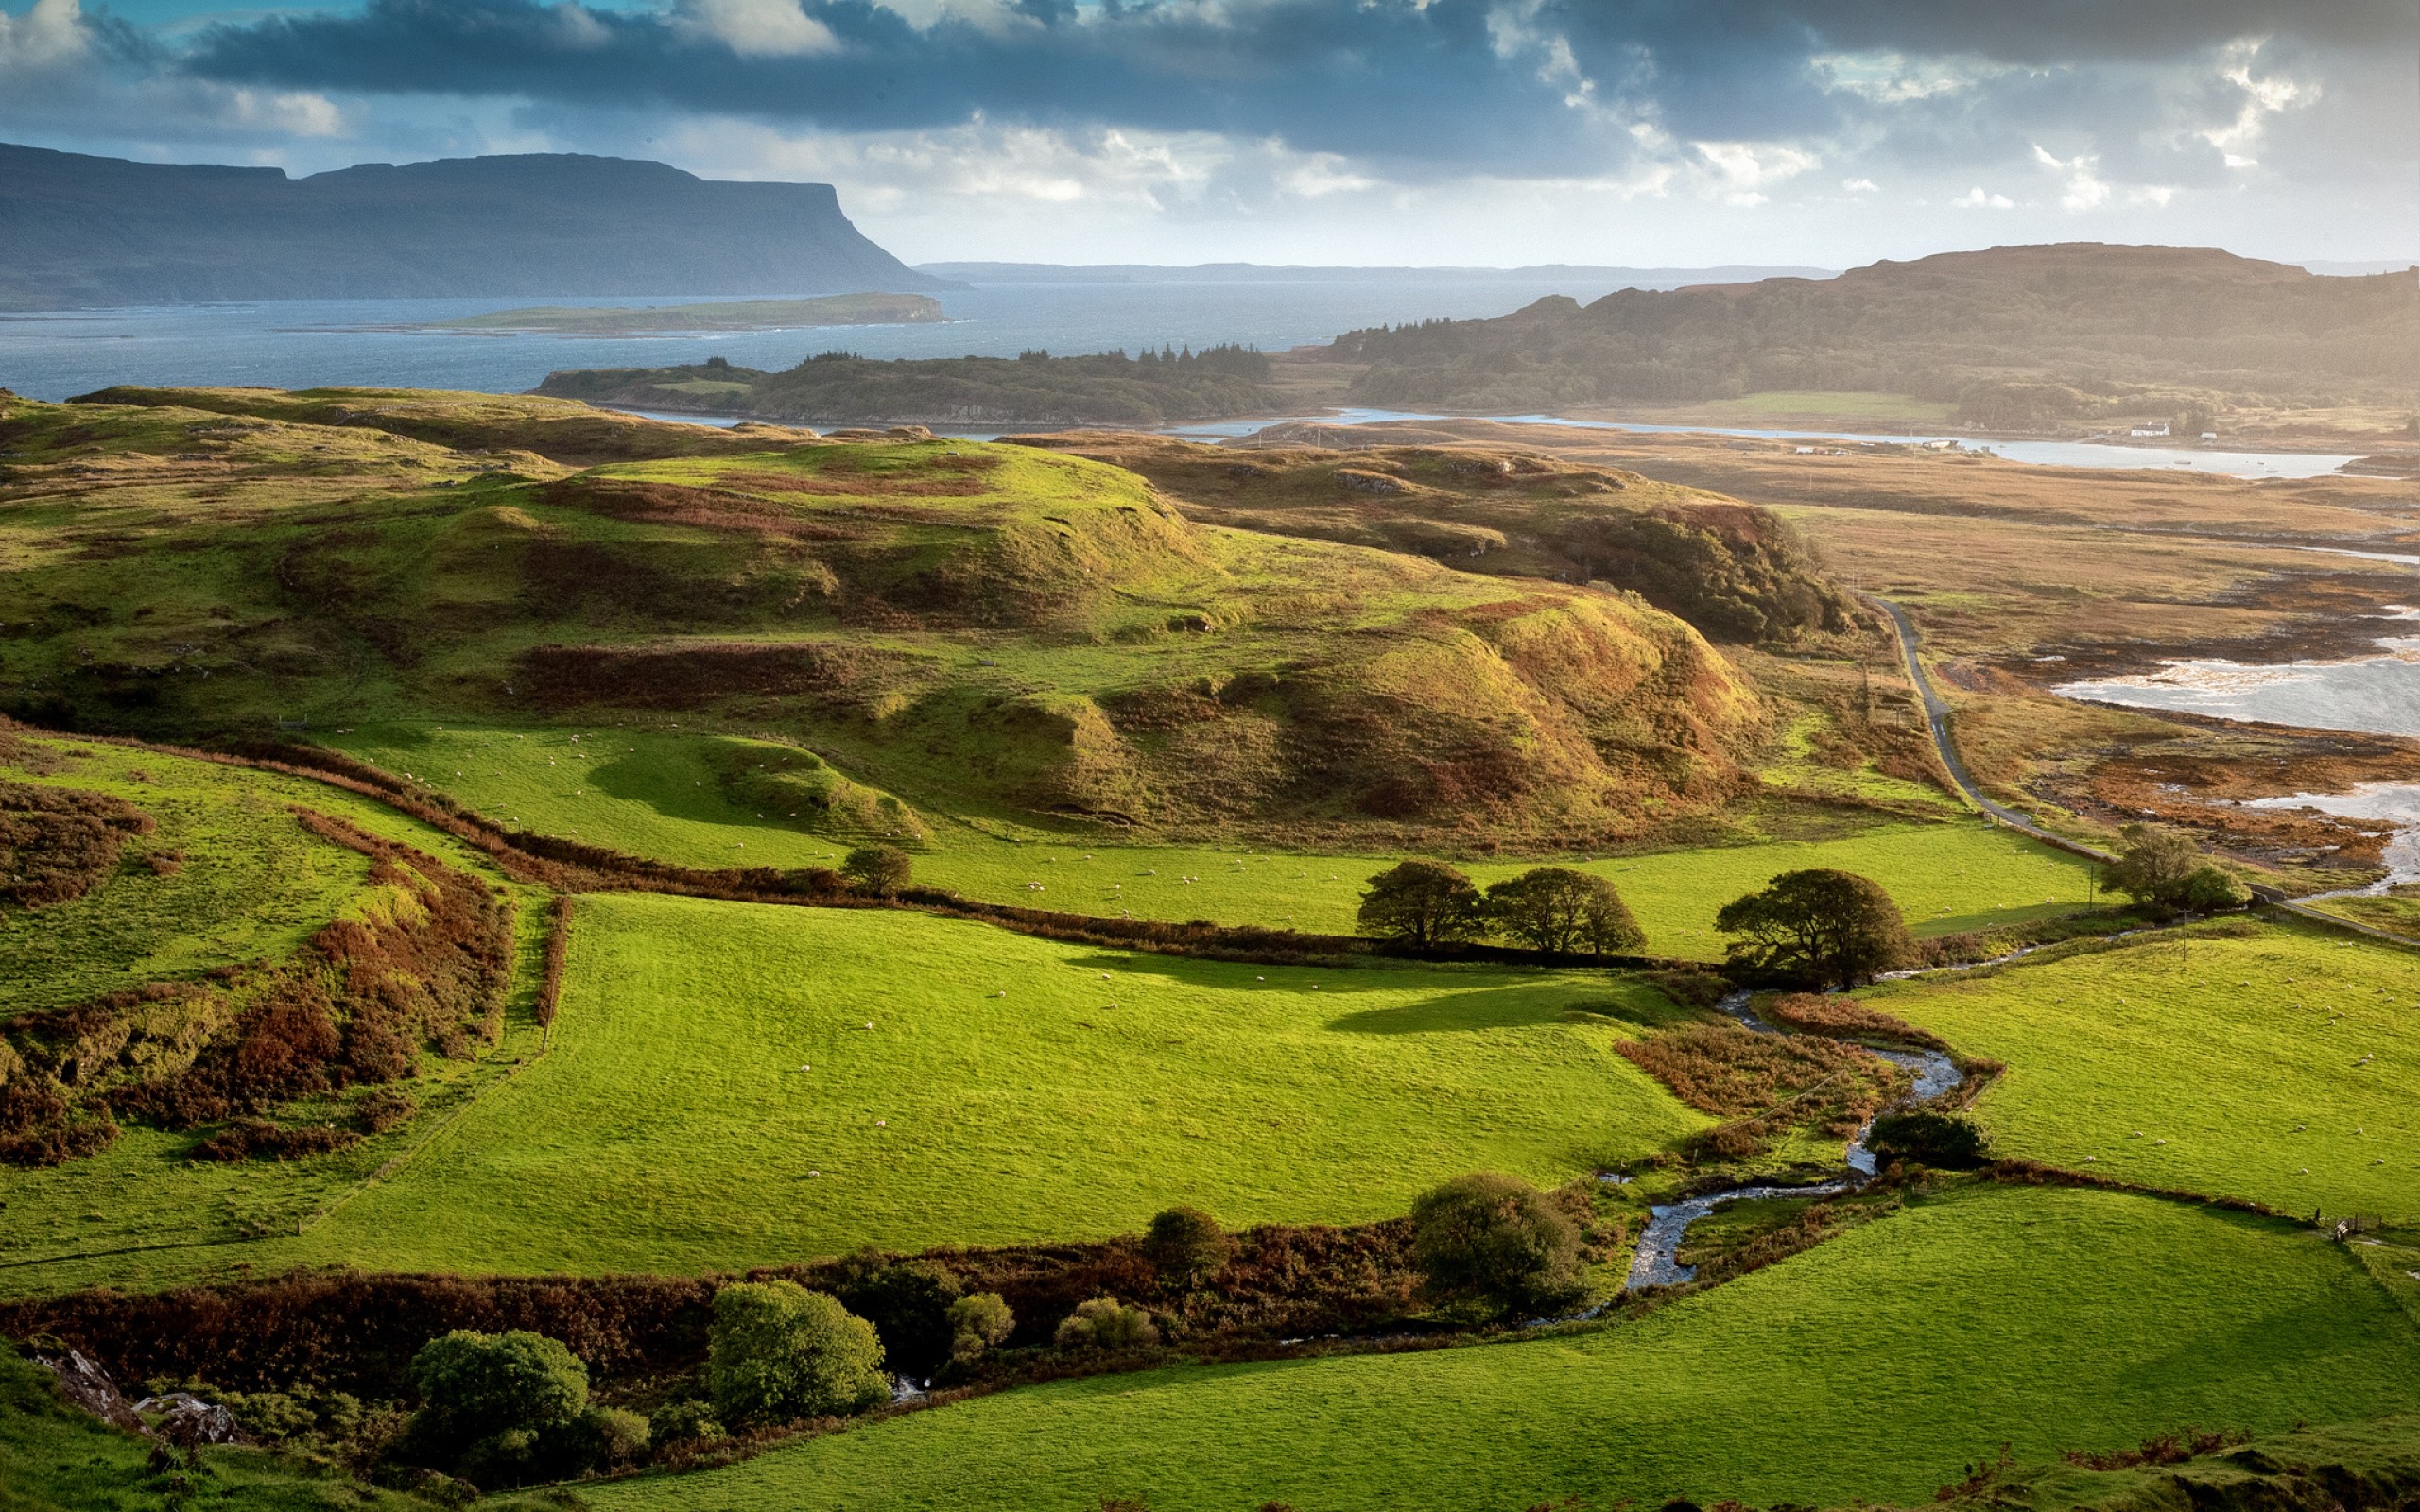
(1876, 1365)
(2277, 1063)
(1735, 572)
(2014, 336)
(978, 629)
(1036, 388)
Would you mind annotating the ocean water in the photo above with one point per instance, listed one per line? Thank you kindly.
(304, 343)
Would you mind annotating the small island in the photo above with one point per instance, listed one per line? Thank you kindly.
(732, 315)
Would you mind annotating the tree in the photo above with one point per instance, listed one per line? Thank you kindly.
(1106, 1323)
(1421, 903)
(1489, 1238)
(2164, 871)
(979, 1323)
(1818, 928)
(1185, 1243)
(1557, 908)
(908, 1302)
(1948, 1142)
(880, 869)
(503, 1408)
(777, 1351)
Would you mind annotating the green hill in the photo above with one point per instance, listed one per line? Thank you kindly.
(2011, 336)
(984, 629)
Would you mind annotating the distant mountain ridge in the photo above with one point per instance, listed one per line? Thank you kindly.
(1648, 278)
(77, 231)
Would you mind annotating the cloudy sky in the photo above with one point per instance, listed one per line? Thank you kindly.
(1489, 132)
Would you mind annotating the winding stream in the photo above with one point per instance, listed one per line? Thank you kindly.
(1654, 1264)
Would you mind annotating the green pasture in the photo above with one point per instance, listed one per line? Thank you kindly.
(2279, 1063)
(674, 1125)
(1872, 1367)
(656, 791)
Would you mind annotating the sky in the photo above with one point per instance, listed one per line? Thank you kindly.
(1464, 132)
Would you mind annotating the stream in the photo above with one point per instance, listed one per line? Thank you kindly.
(1654, 1264)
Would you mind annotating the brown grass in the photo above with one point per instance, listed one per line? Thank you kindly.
(57, 844)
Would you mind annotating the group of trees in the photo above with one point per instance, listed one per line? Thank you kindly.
(1549, 908)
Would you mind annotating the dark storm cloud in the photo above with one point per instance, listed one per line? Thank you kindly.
(1455, 85)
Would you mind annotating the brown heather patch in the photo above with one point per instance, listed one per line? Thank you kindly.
(690, 677)
(1764, 1083)
(706, 509)
(1842, 1017)
(57, 844)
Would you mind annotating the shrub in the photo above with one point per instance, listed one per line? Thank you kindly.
(2164, 871)
(1818, 928)
(684, 1421)
(777, 1351)
(617, 1435)
(979, 1323)
(880, 869)
(1421, 903)
(1185, 1243)
(491, 1402)
(1106, 1323)
(1557, 908)
(385, 1108)
(1488, 1238)
(1948, 1141)
(908, 1304)
(249, 1136)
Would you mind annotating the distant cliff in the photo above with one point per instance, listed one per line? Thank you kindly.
(83, 231)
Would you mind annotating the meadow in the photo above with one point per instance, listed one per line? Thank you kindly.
(656, 792)
(1009, 1089)
(2278, 1062)
(1874, 1367)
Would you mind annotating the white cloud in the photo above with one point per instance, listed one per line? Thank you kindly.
(2084, 188)
(1889, 78)
(1741, 171)
(1976, 198)
(1860, 186)
(758, 28)
(51, 35)
(2263, 99)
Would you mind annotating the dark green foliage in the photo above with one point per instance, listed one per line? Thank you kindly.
(1948, 1141)
(2164, 871)
(1106, 1323)
(880, 869)
(1491, 1239)
(501, 1409)
(1185, 1244)
(778, 1352)
(978, 1324)
(684, 1420)
(1818, 928)
(909, 1303)
(1421, 903)
(1557, 908)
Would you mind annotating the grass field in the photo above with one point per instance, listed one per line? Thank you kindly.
(655, 792)
(1875, 1365)
(671, 1128)
(2282, 1064)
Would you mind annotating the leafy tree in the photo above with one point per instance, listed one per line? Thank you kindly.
(909, 1303)
(1421, 903)
(1185, 1243)
(776, 1351)
(1557, 908)
(1818, 928)
(503, 1408)
(2163, 870)
(979, 1323)
(880, 869)
(1106, 1323)
(1948, 1142)
(1489, 1238)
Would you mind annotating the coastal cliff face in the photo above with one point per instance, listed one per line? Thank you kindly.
(84, 231)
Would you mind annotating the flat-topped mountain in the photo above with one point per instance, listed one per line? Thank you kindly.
(2012, 334)
(86, 230)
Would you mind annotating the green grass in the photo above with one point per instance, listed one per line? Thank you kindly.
(654, 792)
(1875, 1366)
(670, 1126)
(2243, 1054)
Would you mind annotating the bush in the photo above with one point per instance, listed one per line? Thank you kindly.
(880, 869)
(1818, 928)
(1947, 1141)
(979, 1323)
(1488, 1238)
(1421, 903)
(684, 1421)
(1185, 1243)
(1560, 909)
(617, 1435)
(777, 1351)
(2164, 871)
(908, 1304)
(1106, 1323)
(500, 1408)
(385, 1108)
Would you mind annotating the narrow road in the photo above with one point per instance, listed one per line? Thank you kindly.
(1937, 716)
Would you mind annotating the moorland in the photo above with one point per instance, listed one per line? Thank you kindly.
(497, 865)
